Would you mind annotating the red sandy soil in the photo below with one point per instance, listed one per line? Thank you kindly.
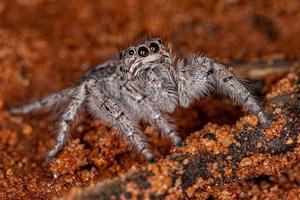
(47, 45)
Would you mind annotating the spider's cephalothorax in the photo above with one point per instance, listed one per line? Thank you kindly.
(149, 66)
(142, 83)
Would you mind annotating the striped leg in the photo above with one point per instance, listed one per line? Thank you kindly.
(162, 123)
(201, 74)
(230, 86)
(167, 129)
(67, 118)
(44, 103)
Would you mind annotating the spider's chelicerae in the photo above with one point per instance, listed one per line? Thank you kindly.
(142, 83)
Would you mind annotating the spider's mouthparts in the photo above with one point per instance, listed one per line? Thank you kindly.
(152, 59)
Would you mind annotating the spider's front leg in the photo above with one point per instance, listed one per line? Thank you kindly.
(107, 108)
(199, 75)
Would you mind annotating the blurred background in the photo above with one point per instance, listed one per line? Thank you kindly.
(50, 43)
(46, 45)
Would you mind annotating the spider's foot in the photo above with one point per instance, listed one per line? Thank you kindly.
(14, 111)
(151, 159)
(266, 123)
(179, 144)
(177, 141)
(148, 155)
(264, 120)
(51, 154)
(49, 157)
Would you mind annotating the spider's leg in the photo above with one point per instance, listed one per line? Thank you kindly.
(111, 110)
(44, 103)
(163, 125)
(66, 119)
(152, 114)
(200, 74)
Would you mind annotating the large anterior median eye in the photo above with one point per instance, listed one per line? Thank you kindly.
(143, 51)
(154, 47)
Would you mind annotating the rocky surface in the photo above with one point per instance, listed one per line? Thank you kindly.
(47, 45)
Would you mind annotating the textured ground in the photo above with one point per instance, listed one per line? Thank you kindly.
(217, 156)
(47, 45)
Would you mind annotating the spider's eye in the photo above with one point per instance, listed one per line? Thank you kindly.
(154, 47)
(143, 51)
(159, 41)
(131, 52)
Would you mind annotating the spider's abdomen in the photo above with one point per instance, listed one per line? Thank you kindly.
(101, 71)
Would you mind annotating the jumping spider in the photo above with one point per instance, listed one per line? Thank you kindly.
(141, 83)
